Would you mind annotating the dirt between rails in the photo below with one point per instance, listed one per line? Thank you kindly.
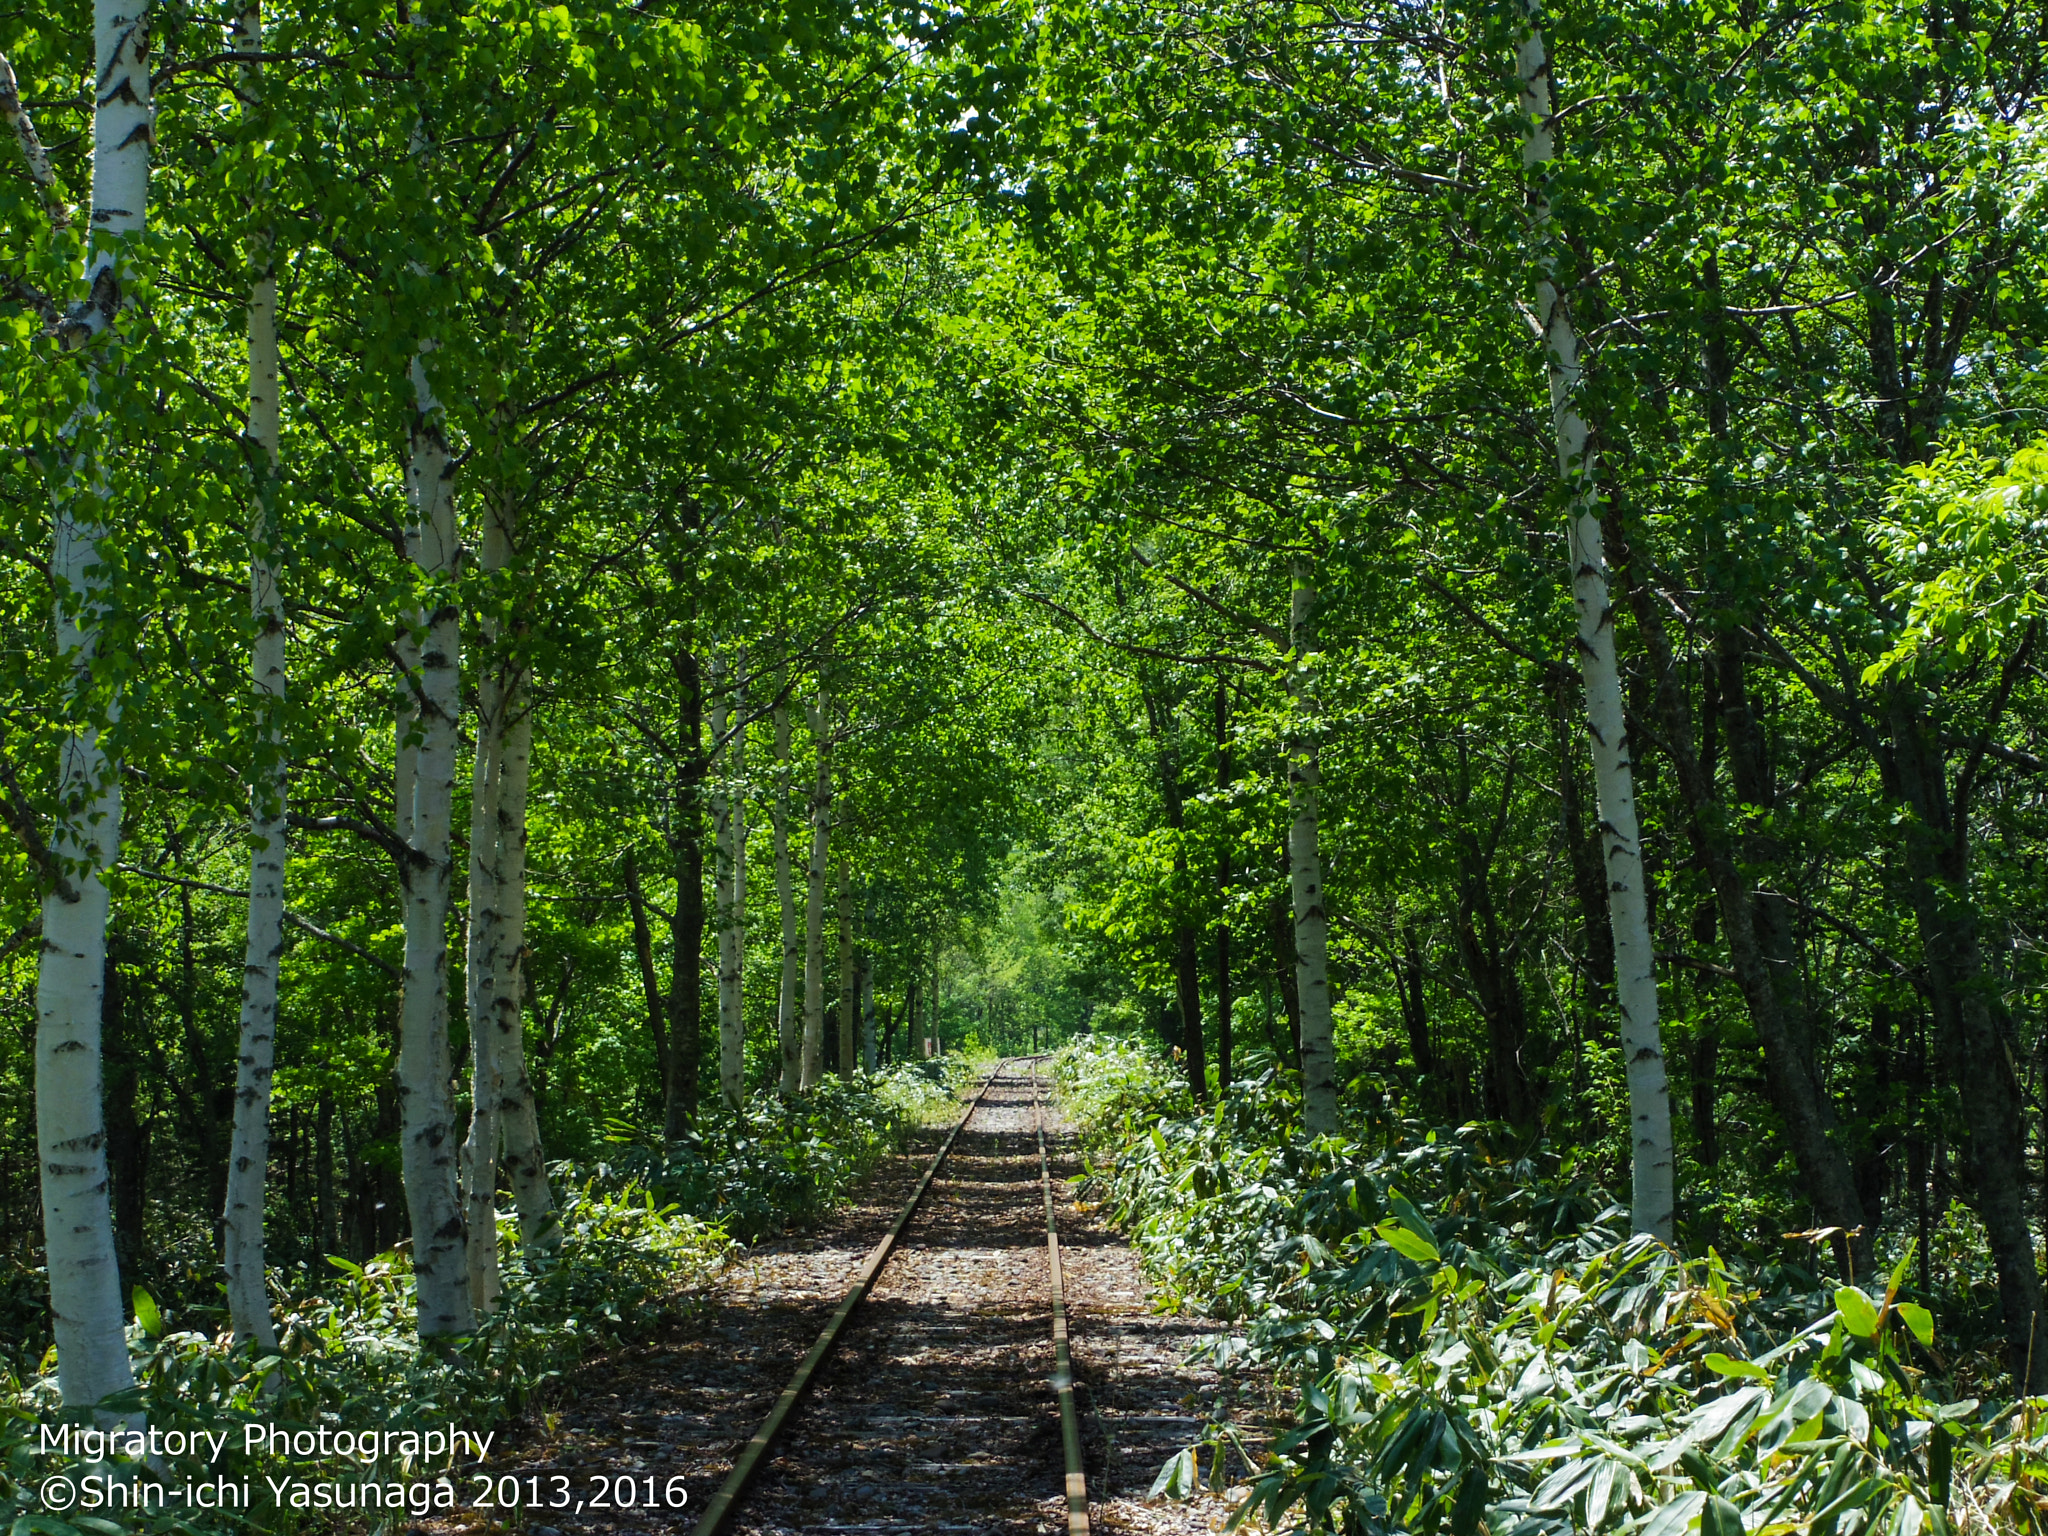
(936, 1412)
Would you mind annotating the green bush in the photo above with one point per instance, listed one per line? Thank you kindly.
(642, 1235)
(1471, 1336)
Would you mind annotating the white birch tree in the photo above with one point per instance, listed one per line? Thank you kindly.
(1635, 971)
(428, 721)
(85, 1289)
(489, 966)
(242, 1240)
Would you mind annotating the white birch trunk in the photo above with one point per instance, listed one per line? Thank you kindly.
(1305, 868)
(78, 1229)
(729, 828)
(1635, 972)
(847, 979)
(483, 965)
(249, 1149)
(519, 1117)
(814, 897)
(429, 1151)
(788, 1028)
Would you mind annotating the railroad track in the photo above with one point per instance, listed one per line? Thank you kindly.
(960, 1338)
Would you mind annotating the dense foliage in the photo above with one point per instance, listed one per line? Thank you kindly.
(1469, 1334)
(642, 1238)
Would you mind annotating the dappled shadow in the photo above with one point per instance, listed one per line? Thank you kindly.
(936, 1413)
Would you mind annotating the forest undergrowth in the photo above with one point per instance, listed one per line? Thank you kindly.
(1467, 1335)
(642, 1234)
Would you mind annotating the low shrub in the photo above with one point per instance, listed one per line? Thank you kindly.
(1471, 1337)
(642, 1235)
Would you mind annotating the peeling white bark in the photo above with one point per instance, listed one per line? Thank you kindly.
(242, 1246)
(519, 1117)
(429, 1150)
(788, 1027)
(1305, 866)
(1635, 968)
(814, 895)
(484, 965)
(78, 1230)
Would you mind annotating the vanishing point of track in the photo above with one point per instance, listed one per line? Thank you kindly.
(761, 1451)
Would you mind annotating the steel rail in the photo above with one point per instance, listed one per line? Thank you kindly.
(756, 1450)
(1062, 1357)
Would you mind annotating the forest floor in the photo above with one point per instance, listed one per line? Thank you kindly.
(936, 1411)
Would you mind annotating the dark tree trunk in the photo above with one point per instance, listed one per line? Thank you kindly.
(650, 985)
(1224, 775)
(1763, 946)
(323, 1174)
(1188, 987)
(1187, 965)
(208, 1104)
(1414, 1008)
(1589, 885)
(1492, 966)
(1280, 924)
(127, 1133)
(686, 931)
(1706, 1094)
(1970, 1020)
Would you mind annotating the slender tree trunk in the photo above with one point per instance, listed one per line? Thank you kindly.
(650, 985)
(867, 1015)
(730, 836)
(85, 1288)
(249, 1151)
(519, 1114)
(1223, 780)
(1286, 972)
(1492, 967)
(1651, 1161)
(1969, 1015)
(848, 981)
(502, 1115)
(788, 1024)
(1305, 867)
(686, 931)
(1762, 949)
(1589, 886)
(486, 925)
(429, 1148)
(1187, 964)
(1408, 976)
(814, 897)
(323, 1174)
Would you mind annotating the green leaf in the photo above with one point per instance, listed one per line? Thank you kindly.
(1720, 1518)
(1180, 1478)
(147, 1314)
(1859, 1312)
(1918, 1319)
(1407, 1243)
(1726, 1365)
(1674, 1518)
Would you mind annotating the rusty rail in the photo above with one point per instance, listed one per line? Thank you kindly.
(1063, 1360)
